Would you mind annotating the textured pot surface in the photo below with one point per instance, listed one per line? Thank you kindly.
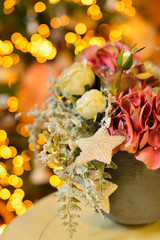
(137, 199)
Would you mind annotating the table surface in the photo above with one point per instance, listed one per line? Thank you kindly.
(42, 223)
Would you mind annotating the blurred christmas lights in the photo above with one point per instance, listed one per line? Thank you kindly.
(10, 182)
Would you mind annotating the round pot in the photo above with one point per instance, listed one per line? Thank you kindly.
(137, 199)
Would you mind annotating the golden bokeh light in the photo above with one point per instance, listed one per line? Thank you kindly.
(5, 152)
(127, 3)
(13, 180)
(12, 104)
(3, 172)
(7, 61)
(39, 7)
(94, 10)
(14, 151)
(80, 28)
(18, 161)
(21, 211)
(55, 181)
(24, 131)
(16, 203)
(8, 11)
(18, 170)
(3, 135)
(130, 11)
(115, 33)
(26, 166)
(43, 30)
(15, 58)
(54, 1)
(64, 19)
(98, 41)
(4, 181)
(5, 194)
(70, 37)
(52, 166)
(19, 184)
(31, 147)
(26, 154)
(41, 140)
(97, 17)
(120, 6)
(9, 206)
(55, 22)
(9, 4)
(28, 204)
(20, 191)
(87, 2)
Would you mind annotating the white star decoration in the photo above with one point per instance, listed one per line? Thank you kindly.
(104, 203)
(98, 147)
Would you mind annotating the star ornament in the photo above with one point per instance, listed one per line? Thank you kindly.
(110, 188)
(98, 147)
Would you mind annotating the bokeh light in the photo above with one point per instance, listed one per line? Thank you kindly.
(55, 181)
(5, 194)
(3, 135)
(39, 7)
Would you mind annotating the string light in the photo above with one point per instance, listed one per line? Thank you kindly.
(87, 2)
(80, 28)
(3, 135)
(70, 37)
(39, 7)
(125, 7)
(12, 104)
(43, 30)
(54, 1)
(15, 202)
(55, 181)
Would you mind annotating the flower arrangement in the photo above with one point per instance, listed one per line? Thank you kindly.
(105, 102)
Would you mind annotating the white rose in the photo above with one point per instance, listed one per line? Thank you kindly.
(73, 79)
(91, 103)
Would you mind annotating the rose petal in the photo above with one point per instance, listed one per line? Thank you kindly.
(136, 119)
(150, 157)
(154, 138)
(108, 62)
(143, 138)
(144, 115)
(126, 106)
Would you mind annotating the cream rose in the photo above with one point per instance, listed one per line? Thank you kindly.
(73, 79)
(91, 103)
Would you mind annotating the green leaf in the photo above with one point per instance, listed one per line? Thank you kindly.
(75, 207)
(132, 48)
(139, 50)
(128, 63)
(62, 198)
(64, 216)
(120, 58)
(64, 207)
(75, 200)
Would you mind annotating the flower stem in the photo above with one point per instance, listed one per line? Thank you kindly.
(119, 79)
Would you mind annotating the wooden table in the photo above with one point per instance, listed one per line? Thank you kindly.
(41, 223)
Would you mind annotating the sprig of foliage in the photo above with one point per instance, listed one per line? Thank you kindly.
(61, 125)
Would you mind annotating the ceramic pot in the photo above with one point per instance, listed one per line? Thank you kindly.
(137, 199)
